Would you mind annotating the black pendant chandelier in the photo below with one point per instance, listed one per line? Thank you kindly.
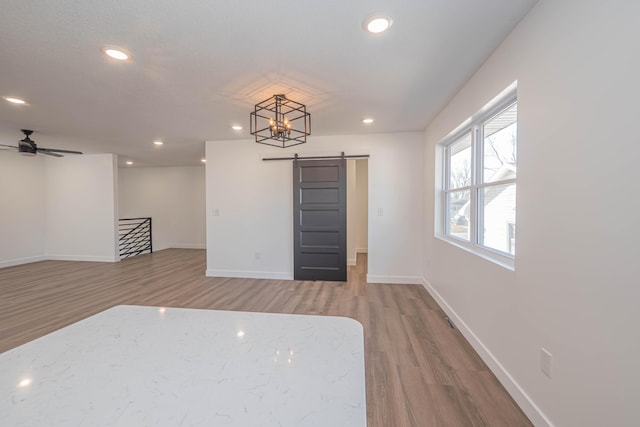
(280, 122)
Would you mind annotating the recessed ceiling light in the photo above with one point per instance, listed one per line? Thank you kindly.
(236, 127)
(377, 23)
(158, 142)
(116, 53)
(14, 100)
(203, 160)
(129, 162)
(25, 382)
(367, 121)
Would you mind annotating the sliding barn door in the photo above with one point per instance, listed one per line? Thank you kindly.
(320, 220)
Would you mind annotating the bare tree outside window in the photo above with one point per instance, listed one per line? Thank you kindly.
(460, 179)
(460, 162)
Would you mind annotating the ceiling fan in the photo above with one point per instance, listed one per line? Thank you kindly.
(28, 147)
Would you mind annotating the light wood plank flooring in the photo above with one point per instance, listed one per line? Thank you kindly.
(419, 371)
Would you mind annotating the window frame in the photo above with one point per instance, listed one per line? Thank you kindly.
(475, 127)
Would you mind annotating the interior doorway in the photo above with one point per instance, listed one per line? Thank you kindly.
(357, 209)
(331, 224)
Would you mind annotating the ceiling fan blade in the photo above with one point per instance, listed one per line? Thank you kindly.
(10, 146)
(48, 153)
(54, 150)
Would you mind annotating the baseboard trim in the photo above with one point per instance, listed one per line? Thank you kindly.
(351, 261)
(527, 405)
(250, 274)
(83, 258)
(362, 250)
(396, 280)
(20, 261)
(188, 246)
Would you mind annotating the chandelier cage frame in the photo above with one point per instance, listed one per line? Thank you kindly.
(274, 120)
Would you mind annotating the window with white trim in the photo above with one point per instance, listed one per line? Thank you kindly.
(480, 165)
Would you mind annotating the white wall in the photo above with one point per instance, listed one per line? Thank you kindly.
(22, 204)
(575, 289)
(252, 235)
(81, 208)
(174, 197)
(362, 205)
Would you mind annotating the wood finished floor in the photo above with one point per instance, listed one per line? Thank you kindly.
(419, 371)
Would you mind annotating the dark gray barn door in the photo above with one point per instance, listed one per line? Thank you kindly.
(320, 220)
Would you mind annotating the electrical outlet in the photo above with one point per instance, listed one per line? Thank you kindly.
(380, 212)
(258, 255)
(216, 212)
(545, 362)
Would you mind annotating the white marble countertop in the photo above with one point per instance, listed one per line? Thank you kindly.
(151, 366)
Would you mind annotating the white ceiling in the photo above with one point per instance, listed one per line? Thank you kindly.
(199, 66)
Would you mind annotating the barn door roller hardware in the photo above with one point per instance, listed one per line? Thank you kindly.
(296, 157)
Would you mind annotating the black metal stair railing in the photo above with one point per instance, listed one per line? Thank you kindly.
(134, 236)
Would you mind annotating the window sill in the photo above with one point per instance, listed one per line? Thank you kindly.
(496, 258)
